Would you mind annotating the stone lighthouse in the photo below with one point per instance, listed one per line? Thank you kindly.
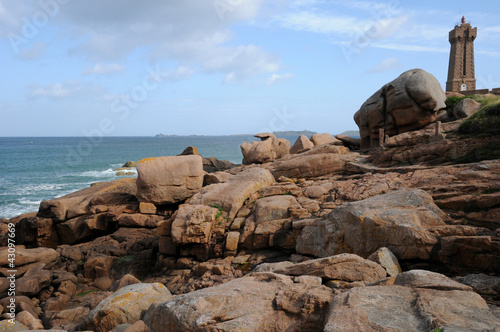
(461, 75)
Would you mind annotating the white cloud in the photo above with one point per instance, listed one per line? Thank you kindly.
(193, 34)
(67, 89)
(103, 69)
(276, 78)
(409, 47)
(54, 91)
(174, 74)
(385, 65)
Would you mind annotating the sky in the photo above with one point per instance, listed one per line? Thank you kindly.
(219, 67)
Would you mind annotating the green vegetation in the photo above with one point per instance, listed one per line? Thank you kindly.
(485, 121)
(218, 207)
(437, 329)
(87, 292)
(125, 259)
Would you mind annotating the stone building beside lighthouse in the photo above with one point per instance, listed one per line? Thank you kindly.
(461, 74)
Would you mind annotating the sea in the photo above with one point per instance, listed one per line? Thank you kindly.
(33, 169)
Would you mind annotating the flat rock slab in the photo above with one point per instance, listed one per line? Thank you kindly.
(346, 267)
(399, 308)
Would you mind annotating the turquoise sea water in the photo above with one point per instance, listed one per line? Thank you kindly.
(33, 169)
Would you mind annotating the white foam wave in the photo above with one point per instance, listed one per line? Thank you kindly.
(98, 174)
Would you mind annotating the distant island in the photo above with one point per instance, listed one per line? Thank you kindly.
(294, 133)
(352, 133)
(308, 133)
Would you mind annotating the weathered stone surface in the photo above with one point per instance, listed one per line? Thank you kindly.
(80, 202)
(351, 142)
(263, 235)
(258, 302)
(193, 224)
(231, 194)
(274, 207)
(306, 165)
(301, 144)
(325, 138)
(37, 232)
(409, 102)
(126, 280)
(212, 165)
(346, 267)
(232, 240)
(125, 306)
(190, 150)
(138, 220)
(466, 108)
(398, 220)
(167, 180)
(398, 308)
(147, 208)
(428, 279)
(272, 267)
(268, 149)
(29, 321)
(67, 319)
(217, 177)
(386, 258)
(482, 283)
(33, 282)
(6, 325)
(27, 256)
(84, 228)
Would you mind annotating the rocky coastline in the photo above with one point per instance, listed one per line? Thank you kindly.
(319, 235)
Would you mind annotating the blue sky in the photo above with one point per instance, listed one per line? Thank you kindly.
(217, 67)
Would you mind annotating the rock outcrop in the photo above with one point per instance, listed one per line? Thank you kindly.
(127, 305)
(168, 180)
(398, 220)
(81, 202)
(409, 102)
(302, 144)
(268, 149)
(258, 302)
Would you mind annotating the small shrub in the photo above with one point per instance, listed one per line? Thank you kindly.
(451, 102)
(484, 121)
(87, 292)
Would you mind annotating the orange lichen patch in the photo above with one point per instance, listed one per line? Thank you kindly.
(145, 160)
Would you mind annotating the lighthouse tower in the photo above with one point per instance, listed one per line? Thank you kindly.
(461, 74)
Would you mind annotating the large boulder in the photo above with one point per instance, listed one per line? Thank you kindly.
(121, 191)
(268, 149)
(325, 138)
(193, 224)
(346, 267)
(465, 108)
(411, 307)
(409, 102)
(399, 220)
(301, 144)
(257, 302)
(168, 180)
(231, 194)
(310, 164)
(125, 306)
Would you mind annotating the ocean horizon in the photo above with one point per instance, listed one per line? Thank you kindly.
(33, 169)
